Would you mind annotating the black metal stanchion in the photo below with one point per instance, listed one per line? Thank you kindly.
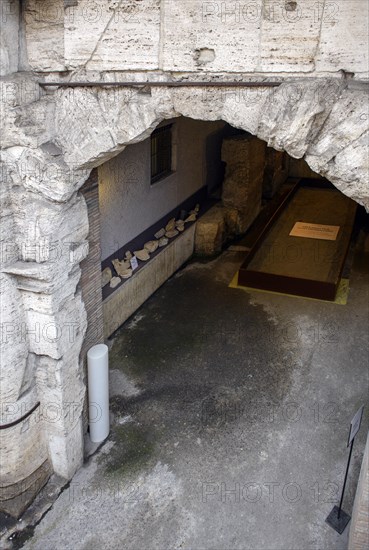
(338, 518)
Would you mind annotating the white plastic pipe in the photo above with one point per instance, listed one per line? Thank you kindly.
(98, 392)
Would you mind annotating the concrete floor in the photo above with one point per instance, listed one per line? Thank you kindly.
(231, 415)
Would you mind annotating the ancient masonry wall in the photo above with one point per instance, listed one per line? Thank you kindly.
(47, 159)
(51, 138)
(273, 36)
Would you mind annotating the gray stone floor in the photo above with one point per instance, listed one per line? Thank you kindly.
(231, 413)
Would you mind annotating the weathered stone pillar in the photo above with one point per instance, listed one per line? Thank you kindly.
(43, 326)
(242, 187)
(24, 456)
(45, 323)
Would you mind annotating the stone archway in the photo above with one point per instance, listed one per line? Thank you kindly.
(320, 120)
(52, 143)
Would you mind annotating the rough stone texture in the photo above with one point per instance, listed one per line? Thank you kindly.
(275, 171)
(290, 36)
(9, 48)
(340, 150)
(203, 36)
(44, 23)
(272, 36)
(23, 446)
(45, 271)
(163, 241)
(190, 218)
(295, 115)
(231, 218)
(142, 255)
(115, 281)
(47, 161)
(171, 233)
(160, 234)
(121, 267)
(52, 138)
(44, 239)
(133, 27)
(106, 275)
(15, 498)
(170, 225)
(290, 118)
(151, 246)
(242, 187)
(210, 232)
(344, 31)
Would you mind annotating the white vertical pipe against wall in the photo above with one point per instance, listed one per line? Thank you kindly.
(98, 392)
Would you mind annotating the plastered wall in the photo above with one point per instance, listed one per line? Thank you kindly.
(129, 204)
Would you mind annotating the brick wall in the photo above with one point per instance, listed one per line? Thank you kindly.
(91, 276)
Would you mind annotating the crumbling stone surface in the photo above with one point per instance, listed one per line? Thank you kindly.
(142, 255)
(44, 29)
(52, 138)
(270, 37)
(23, 445)
(106, 276)
(210, 232)
(115, 281)
(51, 142)
(296, 117)
(242, 187)
(9, 48)
(151, 246)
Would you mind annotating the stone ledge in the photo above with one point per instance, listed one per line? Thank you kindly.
(120, 305)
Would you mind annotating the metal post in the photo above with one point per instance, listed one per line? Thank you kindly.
(344, 483)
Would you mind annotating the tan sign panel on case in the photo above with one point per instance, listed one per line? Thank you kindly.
(315, 231)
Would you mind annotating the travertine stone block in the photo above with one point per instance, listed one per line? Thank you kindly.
(242, 187)
(210, 232)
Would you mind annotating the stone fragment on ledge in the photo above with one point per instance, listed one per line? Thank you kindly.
(159, 234)
(242, 187)
(127, 273)
(163, 242)
(115, 282)
(191, 218)
(142, 255)
(180, 225)
(121, 267)
(170, 225)
(128, 255)
(106, 276)
(172, 233)
(151, 246)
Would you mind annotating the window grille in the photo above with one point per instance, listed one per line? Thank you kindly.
(161, 153)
